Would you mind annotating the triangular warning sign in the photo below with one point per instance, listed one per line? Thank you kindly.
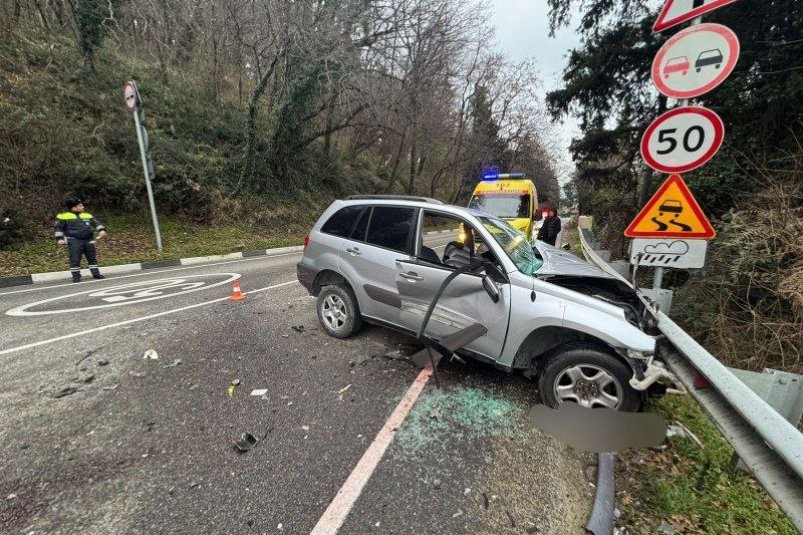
(678, 11)
(671, 213)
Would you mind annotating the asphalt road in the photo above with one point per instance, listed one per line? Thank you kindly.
(145, 446)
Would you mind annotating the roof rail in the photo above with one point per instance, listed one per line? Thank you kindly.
(393, 198)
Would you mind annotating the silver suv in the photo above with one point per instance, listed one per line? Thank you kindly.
(473, 285)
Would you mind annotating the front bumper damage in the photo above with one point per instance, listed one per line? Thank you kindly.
(651, 373)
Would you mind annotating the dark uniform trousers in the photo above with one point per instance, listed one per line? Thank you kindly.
(78, 248)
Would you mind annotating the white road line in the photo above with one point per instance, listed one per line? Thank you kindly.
(346, 497)
(149, 272)
(134, 320)
(147, 294)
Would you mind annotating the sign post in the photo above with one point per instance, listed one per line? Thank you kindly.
(691, 63)
(134, 105)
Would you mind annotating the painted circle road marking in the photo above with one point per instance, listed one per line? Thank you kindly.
(128, 294)
(695, 61)
(682, 139)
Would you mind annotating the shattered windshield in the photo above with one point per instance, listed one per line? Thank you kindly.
(515, 244)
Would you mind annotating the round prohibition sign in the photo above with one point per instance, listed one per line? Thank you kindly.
(130, 96)
(682, 139)
(695, 61)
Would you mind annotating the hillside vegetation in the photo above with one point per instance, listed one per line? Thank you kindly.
(257, 112)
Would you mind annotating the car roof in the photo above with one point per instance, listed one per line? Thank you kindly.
(413, 202)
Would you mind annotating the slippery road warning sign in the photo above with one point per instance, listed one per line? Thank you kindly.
(678, 11)
(682, 139)
(695, 61)
(671, 213)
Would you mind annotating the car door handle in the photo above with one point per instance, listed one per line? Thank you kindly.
(353, 251)
(411, 276)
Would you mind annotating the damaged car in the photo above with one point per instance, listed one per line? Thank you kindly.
(468, 284)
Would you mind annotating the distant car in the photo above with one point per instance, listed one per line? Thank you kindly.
(679, 64)
(709, 57)
(671, 206)
(518, 306)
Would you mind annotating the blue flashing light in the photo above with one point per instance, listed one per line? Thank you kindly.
(490, 174)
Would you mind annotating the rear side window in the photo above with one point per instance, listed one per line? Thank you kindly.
(390, 227)
(341, 223)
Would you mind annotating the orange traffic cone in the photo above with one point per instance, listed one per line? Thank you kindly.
(236, 293)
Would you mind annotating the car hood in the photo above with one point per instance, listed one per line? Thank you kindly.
(559, 262)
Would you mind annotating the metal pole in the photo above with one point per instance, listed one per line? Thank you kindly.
(658, 276)
(144, 156)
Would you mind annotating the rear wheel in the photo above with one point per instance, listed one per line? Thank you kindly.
(338, 311)
(588, 376)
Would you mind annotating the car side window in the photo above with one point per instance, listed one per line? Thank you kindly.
(449, 241)
(341, 223)
(390, 227)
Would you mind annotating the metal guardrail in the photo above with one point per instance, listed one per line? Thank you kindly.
(770, 446)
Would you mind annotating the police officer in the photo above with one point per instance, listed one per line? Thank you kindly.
(77, 229)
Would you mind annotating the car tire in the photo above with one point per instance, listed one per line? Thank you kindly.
(600, 377)
(338, 312)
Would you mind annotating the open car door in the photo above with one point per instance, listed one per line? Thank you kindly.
(468, 313)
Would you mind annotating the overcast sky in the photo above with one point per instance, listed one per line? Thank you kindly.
(522, 32)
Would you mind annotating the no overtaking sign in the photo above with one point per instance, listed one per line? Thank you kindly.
(695, 61)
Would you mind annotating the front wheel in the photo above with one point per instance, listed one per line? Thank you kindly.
(338, 311)
(589, 377)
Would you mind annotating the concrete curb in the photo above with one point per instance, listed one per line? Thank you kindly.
(128, 268)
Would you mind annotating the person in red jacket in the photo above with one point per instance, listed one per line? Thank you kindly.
(76, 228)
(548, 233)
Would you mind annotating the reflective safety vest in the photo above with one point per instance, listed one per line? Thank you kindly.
(79, 226)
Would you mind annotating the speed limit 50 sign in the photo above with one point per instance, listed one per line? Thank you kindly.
(682, 139)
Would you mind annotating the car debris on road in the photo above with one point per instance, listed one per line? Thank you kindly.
(246, 442)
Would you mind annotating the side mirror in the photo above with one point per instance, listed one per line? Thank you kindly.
(490, 288)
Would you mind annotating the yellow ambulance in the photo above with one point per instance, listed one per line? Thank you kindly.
(510, 196)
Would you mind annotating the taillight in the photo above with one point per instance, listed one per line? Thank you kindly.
(306, 241)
